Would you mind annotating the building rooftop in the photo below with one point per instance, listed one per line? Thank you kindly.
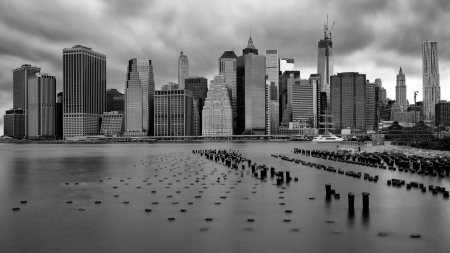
(228, 55)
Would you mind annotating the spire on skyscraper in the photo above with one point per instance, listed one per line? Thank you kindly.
(250, 43)
(401, 71)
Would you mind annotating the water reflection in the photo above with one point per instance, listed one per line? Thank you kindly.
(365, 217)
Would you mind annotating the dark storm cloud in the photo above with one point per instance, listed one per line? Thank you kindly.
(376, 37)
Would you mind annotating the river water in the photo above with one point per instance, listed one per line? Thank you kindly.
(37, 173)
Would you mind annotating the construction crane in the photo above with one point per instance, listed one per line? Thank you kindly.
(331, 30)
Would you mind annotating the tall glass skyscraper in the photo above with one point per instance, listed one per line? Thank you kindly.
(41, 106)
(325, 62)
(273, 67)
(139, 95)
(20, 91)
(227, 68)
(251, 91)
(431, 83)
(183, 69)
(84, 87)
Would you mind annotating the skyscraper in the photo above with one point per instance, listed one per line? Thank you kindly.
(273, 67)
(139, 95)
(84, 87)
(41, 106)
(14, 123)
(286, 64)
(288, 79)
(352, 101)
(183, 69)
(431, 83)
(174, 112)
(217, 113)
(251, 91)
(400, 91)
(199, 86)
(325, 61)
(20, 91)
(306, 101)
(227, 68)
(59, 116)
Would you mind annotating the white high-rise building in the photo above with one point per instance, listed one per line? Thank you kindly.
(183, 69)
(431, 83)
(227, 68)
(217, 117)
(273, 68)
(139, 97)
(84, 87)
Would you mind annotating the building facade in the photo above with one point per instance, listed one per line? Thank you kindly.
(84, 87)
(174, 112)
(199, 86)
(274, 116)
(115, 101)
(20, 90)
(112, 123)
(227, 68)
(400, 90)
(306, 102)
(443, 113)
(251, 91)
(273, 67)
(14, 123)
(41, 106)
(352, 102)
(183, 69)
(431, 82)
(139, 95)
(217, 112)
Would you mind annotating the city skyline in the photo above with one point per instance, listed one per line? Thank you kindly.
(361, 43)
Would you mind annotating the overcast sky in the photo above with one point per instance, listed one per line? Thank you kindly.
(374, 37)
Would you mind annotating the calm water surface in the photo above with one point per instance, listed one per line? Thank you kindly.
(37, 173)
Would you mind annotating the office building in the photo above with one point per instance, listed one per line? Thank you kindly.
(288, 80)
(14, 123)
(286, 64)
(352, 102)
(41, 106)
(174, 112)
(325, 61)
(112, 124)
(84, 87)
(59, 116)
(183, 69)
(20, 90)
(251, 91)
(217, 112)
(431, 82)
(115, 101)
(227, 68)
(268, 118)
(273, 67)
(139, 95)
(306, 101)
(199, 86)
(274, 116)
(443, 113)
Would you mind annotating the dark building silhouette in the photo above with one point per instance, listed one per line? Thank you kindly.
(115, 101)
(199, 86)
(14, 123)
(442, 113)
(59, 116)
